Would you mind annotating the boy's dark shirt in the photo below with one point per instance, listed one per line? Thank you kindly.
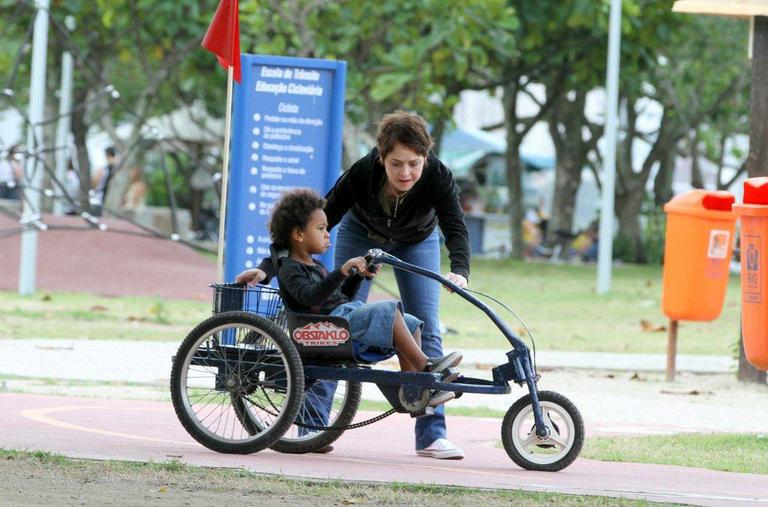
(311, 289)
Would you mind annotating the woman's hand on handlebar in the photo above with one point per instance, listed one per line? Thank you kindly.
(456, 279)
(251, 277)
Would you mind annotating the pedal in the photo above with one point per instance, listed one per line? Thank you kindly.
(450, 374)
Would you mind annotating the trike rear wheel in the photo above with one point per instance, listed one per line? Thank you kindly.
(551, 454)
(318, 422)
(232, 364)
(313, 427)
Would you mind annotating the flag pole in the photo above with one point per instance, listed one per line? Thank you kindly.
(225, 172)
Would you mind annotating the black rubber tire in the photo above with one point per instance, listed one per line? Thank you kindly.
(281, 356)
(290, 443)
(322, 438)
(574, 429)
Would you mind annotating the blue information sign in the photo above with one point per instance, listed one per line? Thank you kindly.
(286, 133)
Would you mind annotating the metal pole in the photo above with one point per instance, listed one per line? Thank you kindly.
(225, 173)
(671, 350)
(33, 174)
(63, 128)
(605, 245)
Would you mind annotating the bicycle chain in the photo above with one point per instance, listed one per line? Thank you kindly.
(331, 428)
(348, 427)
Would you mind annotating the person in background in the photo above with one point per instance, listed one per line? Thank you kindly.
(72, 188)
(135, 197)
(11, 174)
(101, 180)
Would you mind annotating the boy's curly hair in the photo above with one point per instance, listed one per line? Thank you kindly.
(292, 210)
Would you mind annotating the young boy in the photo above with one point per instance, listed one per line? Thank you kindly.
(378, 329)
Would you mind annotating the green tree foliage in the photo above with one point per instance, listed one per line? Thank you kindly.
(699, 78)
(413, 55)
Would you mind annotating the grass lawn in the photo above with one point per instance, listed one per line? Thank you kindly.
(558, 302)
(728, 452)
(84, 316)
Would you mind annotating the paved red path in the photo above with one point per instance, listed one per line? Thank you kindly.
(142, 430)
(122, 261)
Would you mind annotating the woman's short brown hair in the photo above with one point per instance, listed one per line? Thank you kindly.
(404, 128)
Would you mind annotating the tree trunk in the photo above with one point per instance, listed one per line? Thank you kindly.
(628, 208)
(697, 181)
(438, 129)
(662, 183)
(514, 170)
(566, 123)
(567, 182)
(79, 134)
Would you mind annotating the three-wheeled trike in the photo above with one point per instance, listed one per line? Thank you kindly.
(255, 375)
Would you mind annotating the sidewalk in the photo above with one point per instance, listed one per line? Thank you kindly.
(149, 361)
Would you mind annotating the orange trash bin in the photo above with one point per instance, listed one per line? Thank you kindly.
(754, 235)
(697, 254)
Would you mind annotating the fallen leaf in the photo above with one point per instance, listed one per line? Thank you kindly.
(163, 489)
(636, 376)
(46, 297)
(686, 392)
(134, 318)
(348, 501)
(55, 347)
(99, 308)
(650, 327)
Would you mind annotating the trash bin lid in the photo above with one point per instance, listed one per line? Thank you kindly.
(715, 204)
(755, 198)
(756, 191)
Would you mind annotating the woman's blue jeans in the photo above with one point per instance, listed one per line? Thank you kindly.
(420, 297)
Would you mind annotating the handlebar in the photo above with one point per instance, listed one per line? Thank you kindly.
(371, 265)
(378, 256)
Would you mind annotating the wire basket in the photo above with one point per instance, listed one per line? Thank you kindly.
(261, 300)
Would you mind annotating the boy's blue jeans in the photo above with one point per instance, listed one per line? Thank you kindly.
(420, 297)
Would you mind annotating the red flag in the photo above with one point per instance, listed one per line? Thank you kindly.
(223, 36)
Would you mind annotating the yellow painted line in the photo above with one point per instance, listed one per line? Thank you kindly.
(41, 415)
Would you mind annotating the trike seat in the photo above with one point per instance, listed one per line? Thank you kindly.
(316, 337)
(321, 337)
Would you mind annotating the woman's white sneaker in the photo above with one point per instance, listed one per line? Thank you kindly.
(442, 448)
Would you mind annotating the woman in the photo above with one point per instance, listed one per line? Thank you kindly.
(393, 199)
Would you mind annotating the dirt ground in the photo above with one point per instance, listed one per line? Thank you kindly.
(27, 479)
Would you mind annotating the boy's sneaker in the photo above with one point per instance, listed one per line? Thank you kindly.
(440, 364)
(441, 448)
(440, 397)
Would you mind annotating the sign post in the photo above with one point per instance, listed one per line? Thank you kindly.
(288, 118)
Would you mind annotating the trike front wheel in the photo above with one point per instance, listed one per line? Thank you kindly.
(553, 453)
